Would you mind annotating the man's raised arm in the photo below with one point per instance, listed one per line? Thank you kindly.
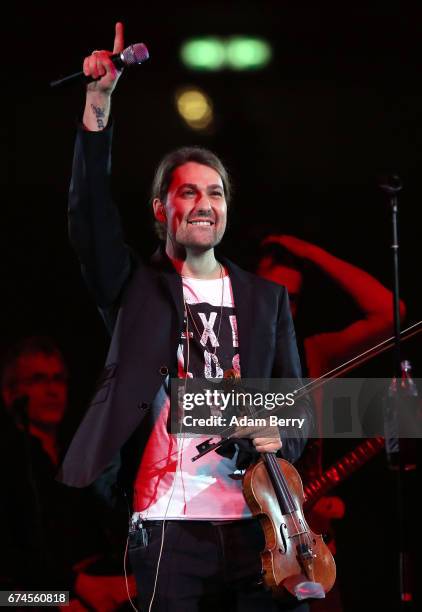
(98, 95)
(94, 223)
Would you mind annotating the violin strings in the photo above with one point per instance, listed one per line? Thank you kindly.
(279, 477)
(302, 532)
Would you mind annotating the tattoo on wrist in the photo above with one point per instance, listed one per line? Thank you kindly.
(100, 116)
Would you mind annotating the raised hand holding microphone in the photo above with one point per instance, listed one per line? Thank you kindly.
(100, 67)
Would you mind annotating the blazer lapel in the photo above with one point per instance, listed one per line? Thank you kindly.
(171, 281)
(242, 292)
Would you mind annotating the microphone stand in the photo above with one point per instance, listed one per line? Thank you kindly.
(391, 186)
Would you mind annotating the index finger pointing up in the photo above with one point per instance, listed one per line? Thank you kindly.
(118, 38)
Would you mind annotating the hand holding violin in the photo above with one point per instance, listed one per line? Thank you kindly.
(265, 439)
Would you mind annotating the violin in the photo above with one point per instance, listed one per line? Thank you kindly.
(294, 556)
(274, 492)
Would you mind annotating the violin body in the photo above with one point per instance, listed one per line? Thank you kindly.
(293, 553)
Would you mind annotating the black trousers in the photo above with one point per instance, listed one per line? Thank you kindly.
(204, 567)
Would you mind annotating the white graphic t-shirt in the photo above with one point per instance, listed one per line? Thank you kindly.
(168, 484)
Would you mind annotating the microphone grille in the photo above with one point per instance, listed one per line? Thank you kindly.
(135, 54)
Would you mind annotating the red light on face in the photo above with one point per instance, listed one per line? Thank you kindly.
(43, 379)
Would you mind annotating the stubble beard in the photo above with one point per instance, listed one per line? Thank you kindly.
(197, 245)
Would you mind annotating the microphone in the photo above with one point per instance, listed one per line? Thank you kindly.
(134, 54)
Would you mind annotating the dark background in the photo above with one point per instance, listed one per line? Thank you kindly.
(305, 140)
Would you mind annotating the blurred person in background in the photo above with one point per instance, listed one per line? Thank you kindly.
(34, 389)
(52, 536)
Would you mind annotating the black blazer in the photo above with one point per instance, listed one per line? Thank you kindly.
(142, 306)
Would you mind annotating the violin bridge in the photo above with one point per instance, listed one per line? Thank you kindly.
(298, 533)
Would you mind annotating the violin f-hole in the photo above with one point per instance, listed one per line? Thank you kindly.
(283, 527)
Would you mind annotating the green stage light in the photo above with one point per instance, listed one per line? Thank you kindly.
(247, 53)
(203, 54)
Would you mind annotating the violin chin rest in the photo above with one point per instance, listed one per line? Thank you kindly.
(304, 589)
